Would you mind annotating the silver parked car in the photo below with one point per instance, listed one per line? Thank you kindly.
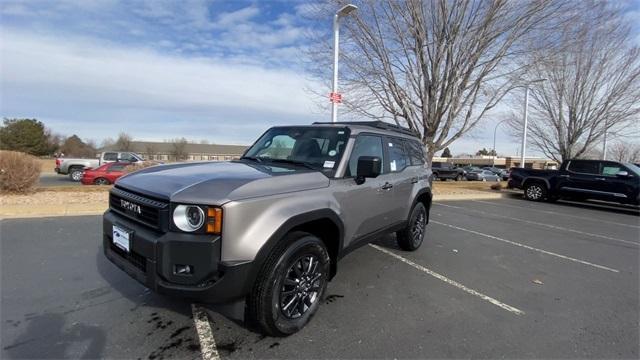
(482, 175)
(271, 226)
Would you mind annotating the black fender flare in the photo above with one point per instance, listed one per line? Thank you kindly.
(418, 195)
(536, 178)
(287, 226)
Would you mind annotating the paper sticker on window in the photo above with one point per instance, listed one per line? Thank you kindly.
(329, 164)
(393, 165)
(390, 144)
(340, 132)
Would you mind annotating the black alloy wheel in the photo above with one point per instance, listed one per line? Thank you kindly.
(411, 237)
(301, 287)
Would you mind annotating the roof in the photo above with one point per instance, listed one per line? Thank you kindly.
(378, 125)
(190, 148)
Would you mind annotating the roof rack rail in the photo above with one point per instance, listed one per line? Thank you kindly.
(375, 124)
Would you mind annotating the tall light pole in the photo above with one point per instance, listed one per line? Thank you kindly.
(493, 162)
(526, 115)
(604, 142)
(344, 11)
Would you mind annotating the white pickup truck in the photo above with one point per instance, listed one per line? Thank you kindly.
(74, 167)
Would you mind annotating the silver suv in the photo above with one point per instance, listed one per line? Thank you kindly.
(271, 226)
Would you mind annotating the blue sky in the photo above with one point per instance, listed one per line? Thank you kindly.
(223, 71)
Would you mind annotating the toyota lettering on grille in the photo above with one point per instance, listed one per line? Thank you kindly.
(129, 206)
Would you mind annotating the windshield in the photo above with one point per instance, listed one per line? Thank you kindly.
(633, 168)
(318, 148)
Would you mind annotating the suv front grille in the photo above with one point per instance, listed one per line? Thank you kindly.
(150, 212)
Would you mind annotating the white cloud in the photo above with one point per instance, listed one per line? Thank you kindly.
(78, 81)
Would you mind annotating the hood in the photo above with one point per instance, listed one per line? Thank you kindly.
(215, 183)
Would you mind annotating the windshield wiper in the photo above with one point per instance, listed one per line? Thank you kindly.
(258, 160)
(294, 162)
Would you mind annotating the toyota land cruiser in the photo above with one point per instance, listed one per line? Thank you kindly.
(271, 226)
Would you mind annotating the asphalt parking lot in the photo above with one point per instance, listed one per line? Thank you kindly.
(494, 279)
(52, 179)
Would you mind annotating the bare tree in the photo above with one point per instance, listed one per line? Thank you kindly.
(592, 87)
(624, 151)
(436, 66)
(124, 142)
(179, 148)
(151, 151)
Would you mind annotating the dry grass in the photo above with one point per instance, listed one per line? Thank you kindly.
(443, 187)
(47, 165)
(19, 172)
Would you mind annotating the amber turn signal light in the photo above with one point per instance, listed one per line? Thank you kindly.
(214, 220)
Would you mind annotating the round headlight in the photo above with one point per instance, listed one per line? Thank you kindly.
(188, 217)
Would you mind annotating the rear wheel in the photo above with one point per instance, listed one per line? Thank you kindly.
(411, 237)
(535, 191)
(290, 285)
(101, 181)
(75, 173)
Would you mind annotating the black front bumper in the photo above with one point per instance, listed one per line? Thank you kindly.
(153, 256)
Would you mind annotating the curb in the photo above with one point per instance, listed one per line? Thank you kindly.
(470, 196)
(28, 211)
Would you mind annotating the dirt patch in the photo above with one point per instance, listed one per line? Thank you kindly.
(48, 197)
(464, 187)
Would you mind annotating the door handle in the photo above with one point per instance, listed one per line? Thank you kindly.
(414, 180)
(565, 176)
(601, 179)
(387, 186)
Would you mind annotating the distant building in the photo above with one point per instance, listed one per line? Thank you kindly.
(167, 151)
(499, 162)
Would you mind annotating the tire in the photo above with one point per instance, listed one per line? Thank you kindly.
(75, 173)
(435, 177)
(535, 191)
(273, 302)
(484, 179)
(411, 237)
(101, 181)
(459, 177)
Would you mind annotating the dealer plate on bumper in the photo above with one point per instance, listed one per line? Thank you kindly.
(122, 238)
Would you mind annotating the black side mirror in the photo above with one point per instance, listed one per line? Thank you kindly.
(368, 167)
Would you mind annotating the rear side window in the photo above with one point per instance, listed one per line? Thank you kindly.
(398, 158)
(117, 167)
(365, 145)
(110, 156)
(584, 167)
(416, 154)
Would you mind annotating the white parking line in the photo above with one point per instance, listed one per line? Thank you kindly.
(526, 246)
(208, 348)
(542, 224)
(502, 204)
(450, 282)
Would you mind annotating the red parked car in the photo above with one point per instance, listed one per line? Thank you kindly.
(104, 175)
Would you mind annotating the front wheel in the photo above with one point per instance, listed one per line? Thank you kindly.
(535, 191)
(411, 237)
(459, 177)
(290, 285)
(101, 181)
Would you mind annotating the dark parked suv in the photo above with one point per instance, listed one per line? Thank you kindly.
(444, 171)
(271, 226)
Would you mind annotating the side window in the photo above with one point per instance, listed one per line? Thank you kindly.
(608, 168)
(118, 167)
(584, 167)
(366, 145)
(398, 158)
(110, 156)
(416, 155)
